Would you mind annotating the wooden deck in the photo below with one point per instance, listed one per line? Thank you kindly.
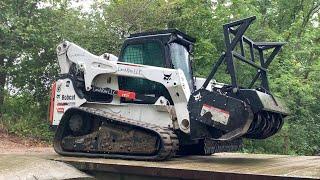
(219, 166)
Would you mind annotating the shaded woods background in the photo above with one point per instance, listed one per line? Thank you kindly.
(30, 31)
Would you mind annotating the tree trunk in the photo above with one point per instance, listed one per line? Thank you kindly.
(2, 83)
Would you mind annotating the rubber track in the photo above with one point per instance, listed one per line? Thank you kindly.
(169, 144)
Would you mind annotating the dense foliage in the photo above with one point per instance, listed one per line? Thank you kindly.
(30, 30)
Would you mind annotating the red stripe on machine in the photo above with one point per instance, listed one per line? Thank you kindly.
(53, 94)
(218, 115)
(126, 94)
(221, 110)
(60, 109)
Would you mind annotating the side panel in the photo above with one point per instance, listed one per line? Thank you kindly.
(215, 115)
(65, 97)
(155, 114)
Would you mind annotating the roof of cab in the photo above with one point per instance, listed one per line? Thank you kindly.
(167, 31)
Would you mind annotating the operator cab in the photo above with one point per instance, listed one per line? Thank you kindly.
(167, 48)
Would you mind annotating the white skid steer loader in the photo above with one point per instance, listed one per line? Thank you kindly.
(146, 104)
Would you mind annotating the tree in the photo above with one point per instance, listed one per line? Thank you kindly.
(15, 17)
(30, 32)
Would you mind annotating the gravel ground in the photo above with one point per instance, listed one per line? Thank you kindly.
(13, 144)
(30, 159)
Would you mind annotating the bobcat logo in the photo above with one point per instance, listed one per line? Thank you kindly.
(167, 77)
(197, 97)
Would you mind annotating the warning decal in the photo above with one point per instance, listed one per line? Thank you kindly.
(218, 115)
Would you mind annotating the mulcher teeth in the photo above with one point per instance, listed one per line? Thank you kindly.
(214, 146)
(264, 125)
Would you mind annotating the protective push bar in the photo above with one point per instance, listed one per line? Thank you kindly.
(237, 29)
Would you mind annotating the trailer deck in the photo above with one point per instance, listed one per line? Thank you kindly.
(49, 165)
(218, 166)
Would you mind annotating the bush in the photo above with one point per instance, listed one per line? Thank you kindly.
(26, 118)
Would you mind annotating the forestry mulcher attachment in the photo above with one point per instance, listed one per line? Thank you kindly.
(146, 104)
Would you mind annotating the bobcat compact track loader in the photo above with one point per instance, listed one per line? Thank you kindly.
(146, 104)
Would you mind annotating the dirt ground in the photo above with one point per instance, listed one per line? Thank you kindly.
(27, 158)
(13, 144)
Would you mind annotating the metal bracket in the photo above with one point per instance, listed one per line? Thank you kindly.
(237, 29)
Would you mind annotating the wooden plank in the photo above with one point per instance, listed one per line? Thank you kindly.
(221, 165)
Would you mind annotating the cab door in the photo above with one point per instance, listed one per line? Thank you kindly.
(147, 52)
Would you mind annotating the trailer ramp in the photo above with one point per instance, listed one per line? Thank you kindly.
(218, 166)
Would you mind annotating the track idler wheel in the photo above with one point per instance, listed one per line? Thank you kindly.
(79, 124)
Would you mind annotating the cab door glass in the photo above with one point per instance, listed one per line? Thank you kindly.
(147, 53)
(180, 60)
